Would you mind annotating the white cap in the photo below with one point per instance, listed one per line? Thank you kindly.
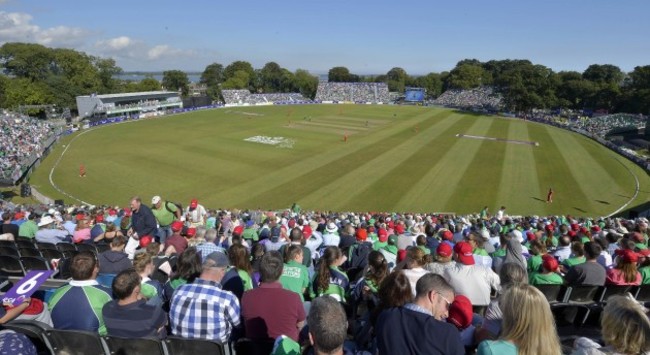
(155, 200)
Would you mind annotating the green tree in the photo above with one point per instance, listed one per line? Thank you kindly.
(239, 80)
(26, 60)
(604, 74)
(244, 66)
(306, 83)
(396, 79)
(24, 91)
(432, 83)
(176, 80)
(107, 70)
(212, 75)
(468, 76)
(149, 83)
(271, 77)
(341, 75)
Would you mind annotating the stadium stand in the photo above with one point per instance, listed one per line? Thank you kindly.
(353, 92)
(420, 244)
(483, 99)
(244, 97)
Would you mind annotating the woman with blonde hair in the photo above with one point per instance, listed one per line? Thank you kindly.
(625, 330)
(415, 261)
(528, 327)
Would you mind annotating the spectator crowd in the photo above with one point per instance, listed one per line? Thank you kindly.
(21, 138)
(333, 283)
(482, 98)
(238, 97)
(353, 92)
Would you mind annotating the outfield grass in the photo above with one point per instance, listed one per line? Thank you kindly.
(395, 159)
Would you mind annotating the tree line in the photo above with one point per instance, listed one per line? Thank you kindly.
(35, 74)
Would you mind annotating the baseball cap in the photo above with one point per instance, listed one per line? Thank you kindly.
(361, 235)
(177, 226)
(447, 235)
(392, 239)
(464, 252)
(306, 232)
(238, 230)
(99, 218)
(218, 258)
(549, 262)
(382, 234)
(194, 203)
(399, 229)
(145, 240)
(191, 232)
(627, 255)
(460, 312)
(444, 250)
(530, 236)
(155, 200)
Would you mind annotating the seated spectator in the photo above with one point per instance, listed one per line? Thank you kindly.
(328, 326)
(81, 232)
(114, 260)
(443, 260)
(78, 306)
(548, 275)
(111, 232)
(188, 268)
(207, 245)
(563, 251)
(129, 315)
(176, 244)
(48, 233)
(537, 251)
(474, 281)
(644, 266)
(461, 316)
(408, 329)
(577, 256)
(390, 251)
(511, 274)
(481, 256)
(528, 325)
(625, 271)
(375, 274)
(239, 278)
(201, 309)
(7, 227)
(589, 273)
(415, 261)
(625, 330)
(269, 310)
(32, 309)
(28, 228)
(295, 276)
(150, 289)
(394, 291)
(329, 279)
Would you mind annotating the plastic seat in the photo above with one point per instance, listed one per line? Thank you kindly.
(33, 330)
(182, 346)
(50, 254)
(7, 243)
(106, 280)
(34, 263)
(642, 293)
(582, 294)
(29, 252)
(73, 342)
(126, 346)
(87, 247)
(607, 291)
(11, 266)
(42, 246)
(66, 247)
(25, 243)
(248, 346)
(9, 250)
(102, 248)
(551, 292)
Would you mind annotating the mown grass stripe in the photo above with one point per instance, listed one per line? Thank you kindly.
(344, 192)
(443, 171)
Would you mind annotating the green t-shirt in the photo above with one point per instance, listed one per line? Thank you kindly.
(425, 249)
(574, 260)
(246, 279)
(481, 252)
(148, 291)
(499, 253)
(534, 263)
(554, 240)
(28, 229)
(551, 278)
(645, 275)
(295, 277)
(379, 245)
(250, 234)
(163, 215)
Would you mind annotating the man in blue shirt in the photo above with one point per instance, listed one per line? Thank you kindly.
(418, 327)
(202, 310)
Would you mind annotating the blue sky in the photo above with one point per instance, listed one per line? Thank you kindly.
(368, 37)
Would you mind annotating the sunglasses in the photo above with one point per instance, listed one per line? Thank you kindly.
(446, 300)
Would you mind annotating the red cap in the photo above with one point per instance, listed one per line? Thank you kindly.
(145, 240)
(447, 235)
(399, 229)
(194, 203)
(465, 253)
(112, 212)
(401, 255)
(19, 216)
(390, 224)
(382, 234)
(177, 226)
(99, 218)
(627, 255)
(530, 236)
(595, 228)
(191, 232)
(549, 227)
(584, 230)
(361, 235)
(444, 250)
(572, 233)
(292, 223)
(306, 232)
(127, 212)
(550, 263)
(460, 312)
(575, 227)
(644, 253)
(238, 230)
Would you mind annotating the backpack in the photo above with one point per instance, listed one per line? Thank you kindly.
(178, 205)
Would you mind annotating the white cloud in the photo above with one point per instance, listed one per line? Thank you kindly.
(116, 44)
(18, 27)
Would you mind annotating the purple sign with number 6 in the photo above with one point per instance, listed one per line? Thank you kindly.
(26, 287)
